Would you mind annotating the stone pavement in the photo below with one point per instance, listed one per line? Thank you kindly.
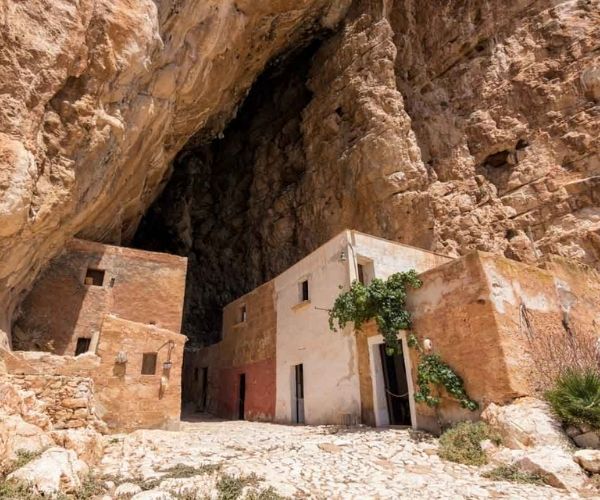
(315, 462)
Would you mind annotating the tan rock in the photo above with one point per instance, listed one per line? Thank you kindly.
(589, 460)
(56, 470)
(527, 422)
(87, 443)
(17, 435)
(555, 465)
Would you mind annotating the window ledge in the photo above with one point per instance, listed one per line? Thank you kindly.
(239, 324)
(301, 305)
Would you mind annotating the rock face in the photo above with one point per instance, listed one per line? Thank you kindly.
(446, 125)
(99, 95)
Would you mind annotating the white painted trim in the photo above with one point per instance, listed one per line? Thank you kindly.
(379, 399)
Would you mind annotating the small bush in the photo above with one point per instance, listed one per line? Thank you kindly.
(231, 487)
(575, 397)
(514, 474)
(461, 443)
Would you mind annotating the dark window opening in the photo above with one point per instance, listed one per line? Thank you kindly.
(243, 316)
(196, 374)
(304, 296)
(361, 274)
(299, 396)
(83, 345)
(149, 363)
(94, 277)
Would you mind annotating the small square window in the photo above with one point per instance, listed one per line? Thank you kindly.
(242, 314)
(149, 363)
(303, 291)
(94, 277)
(83, 345)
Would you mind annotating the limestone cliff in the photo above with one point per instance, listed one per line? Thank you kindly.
(96, 98)
(449, 125)
(445, 125)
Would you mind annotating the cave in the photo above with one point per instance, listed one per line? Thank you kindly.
(229, 203)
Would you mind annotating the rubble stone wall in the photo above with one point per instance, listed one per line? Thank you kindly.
(69, 401)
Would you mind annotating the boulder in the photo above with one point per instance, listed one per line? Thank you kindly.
(87, 443)
(56, 470)
(589, 439)
(589, 460)
(525, 423)
(556, 465)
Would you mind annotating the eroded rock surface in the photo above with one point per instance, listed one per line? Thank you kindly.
(97, 97)
(446, 125)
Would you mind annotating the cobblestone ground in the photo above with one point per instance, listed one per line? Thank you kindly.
(314, 462)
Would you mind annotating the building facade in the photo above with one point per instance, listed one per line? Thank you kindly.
(111, 314)
(487, 317)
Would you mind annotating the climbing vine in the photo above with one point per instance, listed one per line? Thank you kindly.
(385, 303)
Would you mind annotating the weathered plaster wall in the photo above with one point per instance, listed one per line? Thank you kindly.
(303, 337)
(247, 347)
(128, 400)
(145, 287)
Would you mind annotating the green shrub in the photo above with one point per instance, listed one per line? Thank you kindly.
(575, 397)
(514, 474)
(461, 443)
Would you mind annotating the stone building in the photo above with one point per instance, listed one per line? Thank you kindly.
(485, 315)
(111, 314)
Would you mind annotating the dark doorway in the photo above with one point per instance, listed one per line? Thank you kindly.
(396, 387)
(242, 396)
(299, 396)
(204, 388)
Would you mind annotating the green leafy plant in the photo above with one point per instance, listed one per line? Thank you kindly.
(384, 301)
(462, 443)
(513, 474)
(575, 397)
(432, 370)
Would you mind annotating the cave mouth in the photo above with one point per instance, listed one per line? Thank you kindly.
(229, 204)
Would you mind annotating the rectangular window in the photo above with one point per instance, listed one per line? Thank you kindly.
(304, 294)
(243, 314)
(361, 274)
(94, 277)
(83, 345)
(149, 363)
(365, 271)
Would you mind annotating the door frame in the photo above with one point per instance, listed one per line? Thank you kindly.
(380, 405)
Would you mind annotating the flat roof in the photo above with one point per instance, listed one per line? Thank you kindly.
(345, 232)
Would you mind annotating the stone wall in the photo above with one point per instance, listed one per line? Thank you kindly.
(69, 401)
(124, 398)
(145, 287)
